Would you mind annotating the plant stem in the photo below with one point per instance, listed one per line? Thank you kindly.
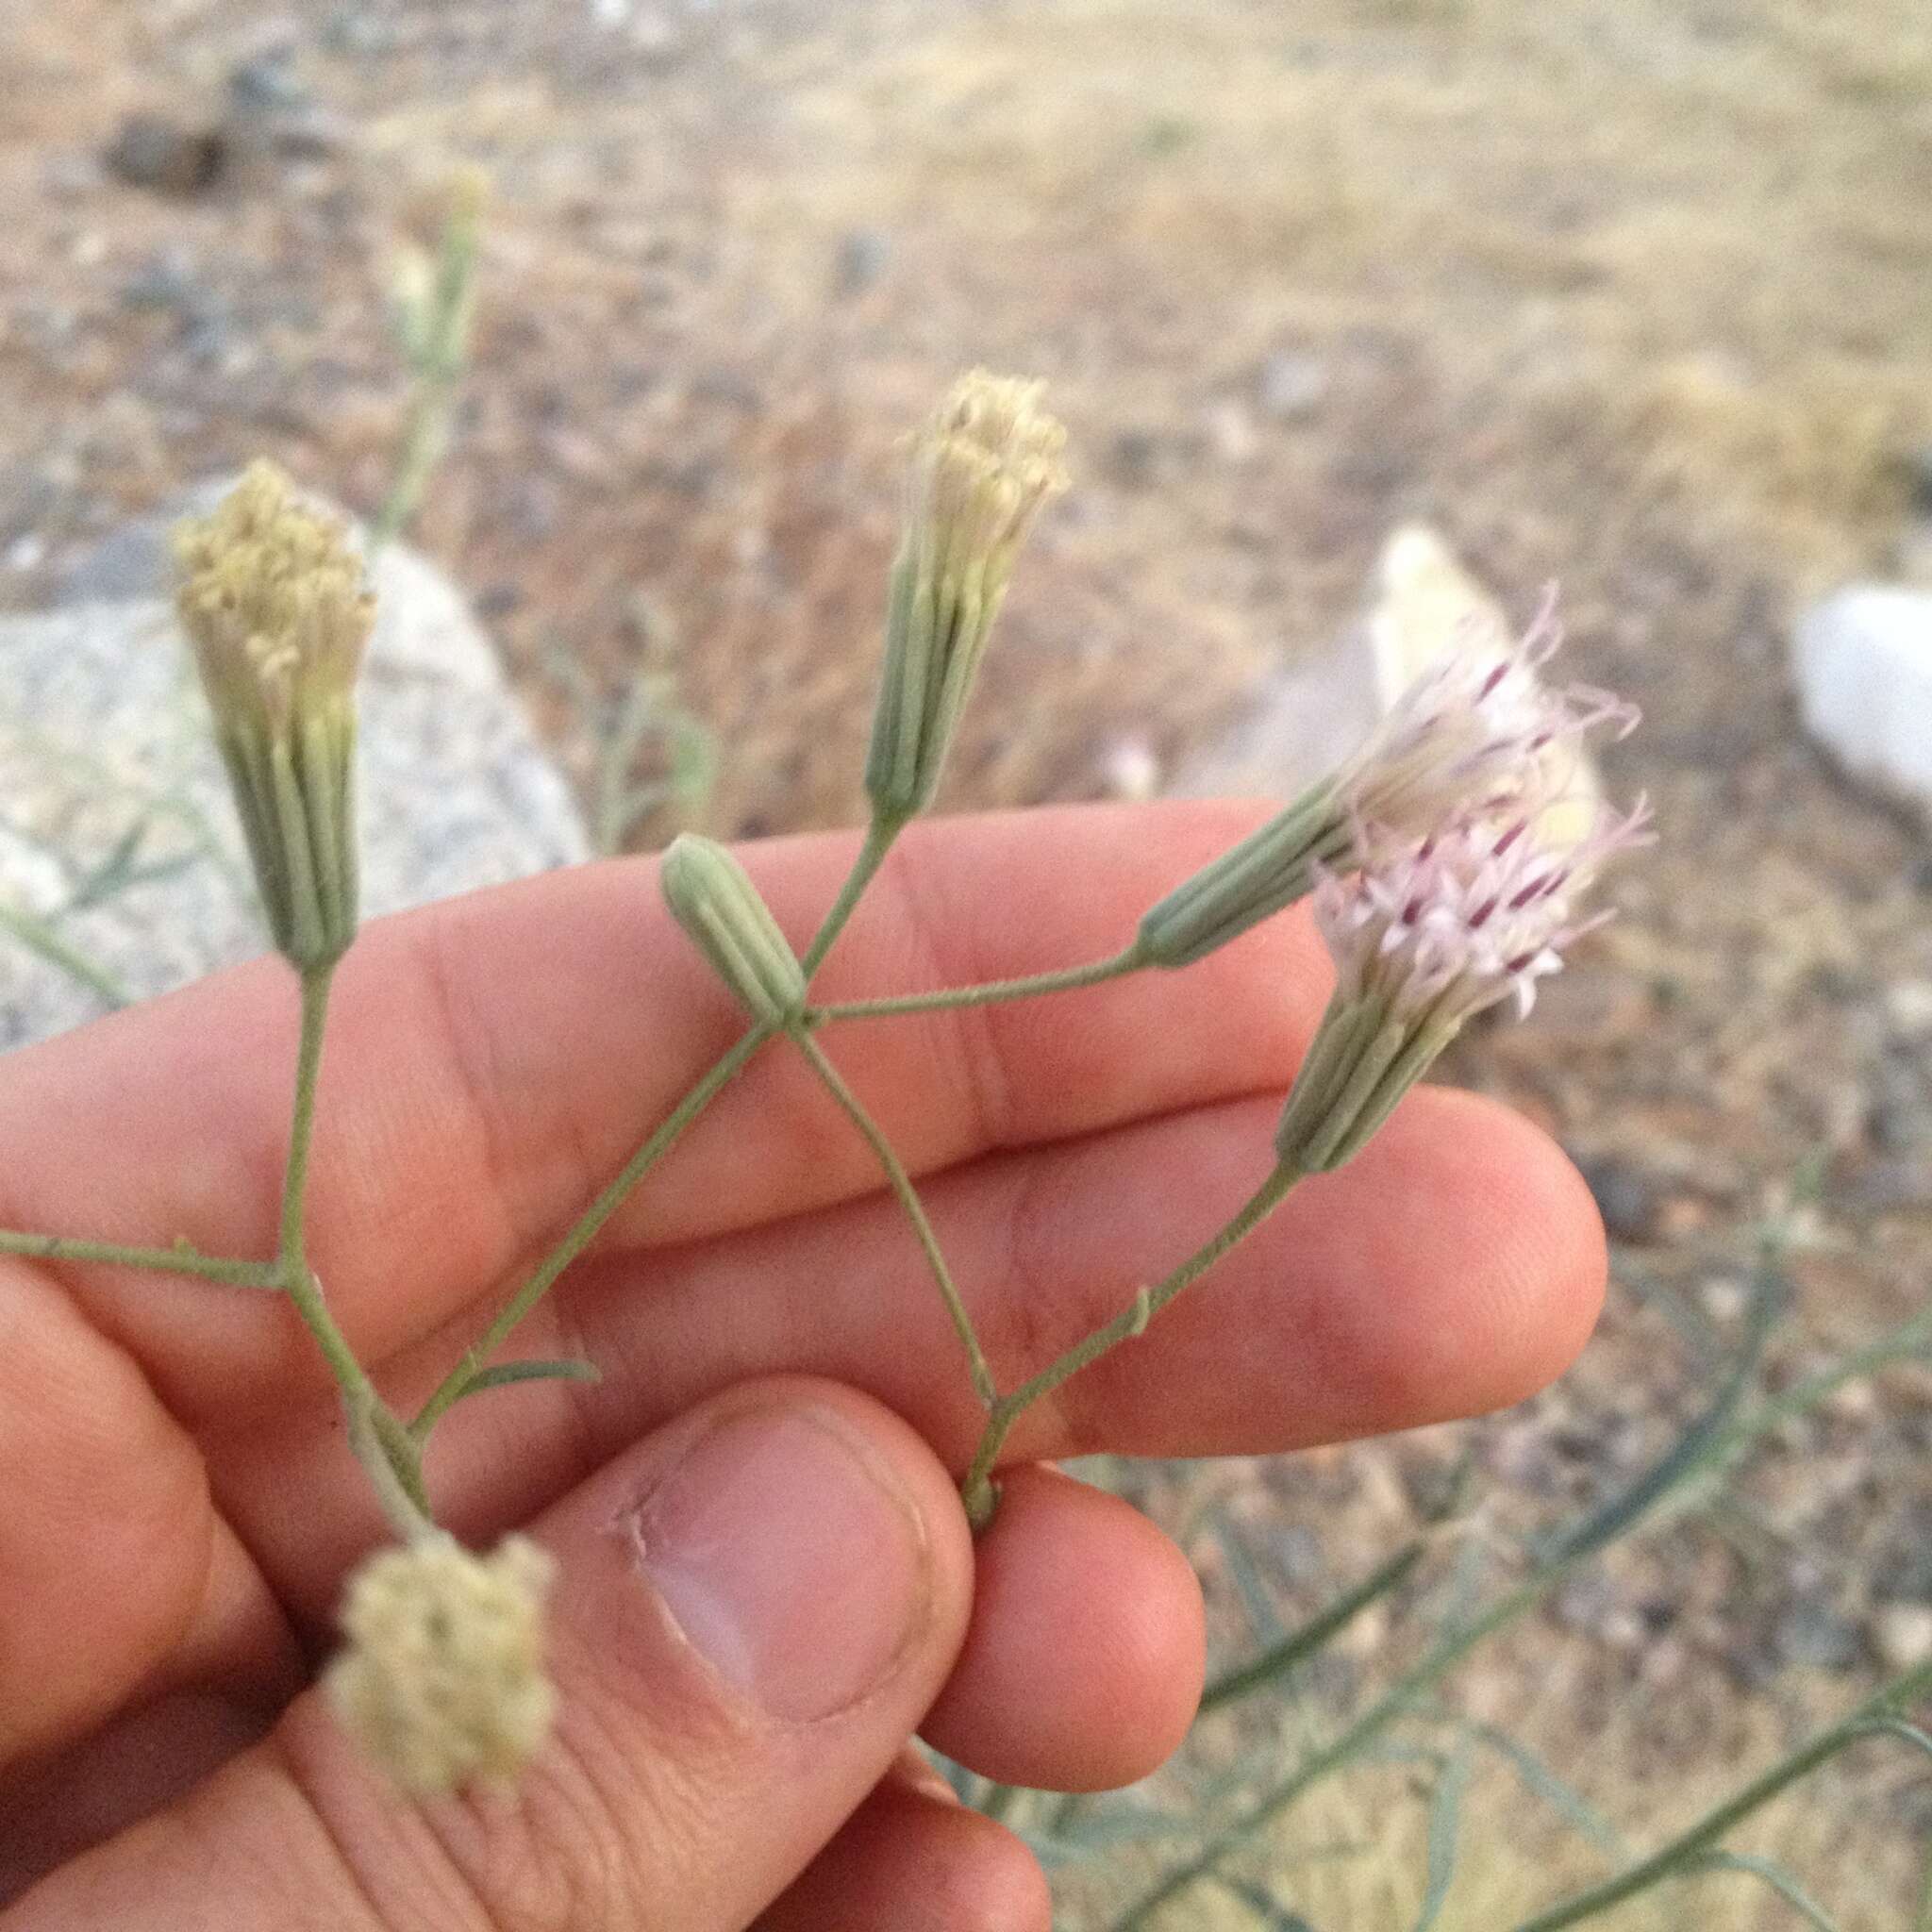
(983, 1383)
(1095, 972)
(291, 1256)
(879, 836)
(1709, 1829)
(1441, 1657)
(182, 1260)
(878, 840)
(583, 1230)
(977, 1490)
(293, 1250)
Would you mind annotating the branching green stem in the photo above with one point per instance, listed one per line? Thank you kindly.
(878, 842)
(992, 992)
(1867, 1720)
(585, 1229)
(983, 1384)
(978, 1489)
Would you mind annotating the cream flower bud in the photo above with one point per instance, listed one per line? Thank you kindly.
(712, 898)
(442, 1682)
(980, 468)
(1426, 935)
(275, 602)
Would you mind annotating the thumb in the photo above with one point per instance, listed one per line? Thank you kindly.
(755, 1607)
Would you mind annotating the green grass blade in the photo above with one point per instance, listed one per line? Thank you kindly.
(1445, 1825)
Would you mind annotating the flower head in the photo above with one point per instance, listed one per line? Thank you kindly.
(1477, 728)
(442, 1682)
(981, 467)
(1476, 732)
(275, 602)
(1427, 933)
(1473, 914)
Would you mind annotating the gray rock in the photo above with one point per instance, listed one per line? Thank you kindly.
(1862, 660)
(118, 833)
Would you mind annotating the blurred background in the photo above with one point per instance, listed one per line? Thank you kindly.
(1635, 294)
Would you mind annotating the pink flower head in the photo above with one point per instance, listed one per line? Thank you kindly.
(1477, 730)
(1469, 915)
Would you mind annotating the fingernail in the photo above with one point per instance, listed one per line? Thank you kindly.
(790, 1557)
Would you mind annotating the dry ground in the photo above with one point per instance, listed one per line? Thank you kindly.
(1631, 293)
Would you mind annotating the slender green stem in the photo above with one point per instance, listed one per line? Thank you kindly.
(38, 935)
(983, 1383)
(315, 991)
(1710, 1829)
(878, 840)
(879, 836)
(977, 1490)
(181, 1259)
(292, 1260)
(1095, 972)
(585, 1229)
(1398, 1702)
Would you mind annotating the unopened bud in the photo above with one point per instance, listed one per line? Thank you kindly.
(1270, 869)
(712, 898)
(275, 602)
(442, 1682)
(980, 468)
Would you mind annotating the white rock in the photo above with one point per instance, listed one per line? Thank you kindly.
(1305, 718)
(1863, 660)
(1903, 1635)
(103, 736)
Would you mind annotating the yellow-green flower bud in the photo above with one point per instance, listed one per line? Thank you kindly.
(442, 1682)
(986, 460)
(275, 604)
(712, 897)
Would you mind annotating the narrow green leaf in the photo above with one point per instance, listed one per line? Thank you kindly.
(502, 1374)
(1907, 1733)
(1561, 1797)
(1775, 1876)
(1446, 1823)
(1698, 1445)
(1303, 1643)
(1256, 1599)
(40, 938)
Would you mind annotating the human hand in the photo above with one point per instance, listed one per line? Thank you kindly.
(766, 1583)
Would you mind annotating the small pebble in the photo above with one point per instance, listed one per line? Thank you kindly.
(152, 151)
(1627, 1197)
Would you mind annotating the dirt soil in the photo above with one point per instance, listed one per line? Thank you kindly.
(1630, 294)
